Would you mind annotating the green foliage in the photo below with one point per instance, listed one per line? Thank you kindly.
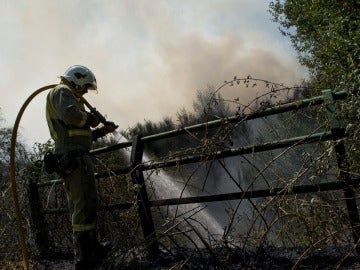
(326, 35)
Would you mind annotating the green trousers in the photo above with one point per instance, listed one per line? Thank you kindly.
(82, 197)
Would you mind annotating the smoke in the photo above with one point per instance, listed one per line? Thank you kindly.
(149, 57)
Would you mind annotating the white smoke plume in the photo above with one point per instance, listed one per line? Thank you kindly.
(149, 57)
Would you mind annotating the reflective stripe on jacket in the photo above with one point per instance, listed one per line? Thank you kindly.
(66, 118)
(83, 227)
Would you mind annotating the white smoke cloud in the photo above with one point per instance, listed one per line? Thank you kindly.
(149, 57)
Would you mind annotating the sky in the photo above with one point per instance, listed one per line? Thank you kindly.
(149, 57)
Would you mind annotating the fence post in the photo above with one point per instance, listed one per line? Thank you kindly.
(341, 158)
(143, 205)
(37, 221)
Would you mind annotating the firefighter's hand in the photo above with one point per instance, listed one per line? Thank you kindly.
(109, 127)
(92, 120)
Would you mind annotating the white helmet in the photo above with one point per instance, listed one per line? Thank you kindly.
(78, 76)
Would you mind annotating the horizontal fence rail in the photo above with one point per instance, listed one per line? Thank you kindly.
(270, 192)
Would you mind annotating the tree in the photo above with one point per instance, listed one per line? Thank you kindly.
(326, 35)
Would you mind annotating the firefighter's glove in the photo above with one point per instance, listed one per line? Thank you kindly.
(107, 128)
(92, 120)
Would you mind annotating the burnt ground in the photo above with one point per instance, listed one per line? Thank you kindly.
(219, 258)
(271, 258)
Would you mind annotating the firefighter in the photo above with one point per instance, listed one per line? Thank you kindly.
(73, 129)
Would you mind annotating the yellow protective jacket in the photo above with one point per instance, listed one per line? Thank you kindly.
(67, 120)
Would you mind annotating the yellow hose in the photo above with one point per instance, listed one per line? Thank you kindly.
(12, 173)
